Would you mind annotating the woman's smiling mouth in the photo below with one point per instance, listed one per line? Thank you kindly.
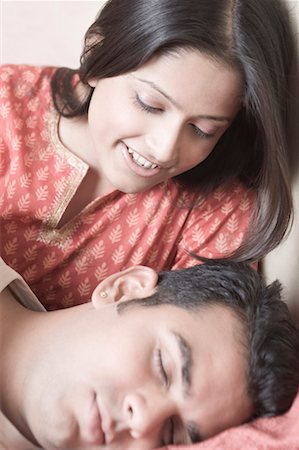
(140, 160)
(138, 164)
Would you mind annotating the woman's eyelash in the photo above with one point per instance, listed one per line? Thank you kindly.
(201, 133)
(144, 106)
(161, 369)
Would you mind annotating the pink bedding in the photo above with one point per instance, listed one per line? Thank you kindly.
(277, 433)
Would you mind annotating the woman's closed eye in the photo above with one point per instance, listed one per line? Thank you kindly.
(200, 132)
(145, 106)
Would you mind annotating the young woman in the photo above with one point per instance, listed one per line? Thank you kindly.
(169, 139)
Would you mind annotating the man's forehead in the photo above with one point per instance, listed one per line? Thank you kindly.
(203, 309)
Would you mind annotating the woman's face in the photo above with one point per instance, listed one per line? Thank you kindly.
(160, 120)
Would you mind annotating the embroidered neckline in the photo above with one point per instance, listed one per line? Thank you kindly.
(58, 146)
(78, 170)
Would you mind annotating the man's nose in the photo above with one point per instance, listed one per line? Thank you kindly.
(164, 142)
(146, 415)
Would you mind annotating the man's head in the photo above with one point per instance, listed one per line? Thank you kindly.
(269, 335)
(184, 360)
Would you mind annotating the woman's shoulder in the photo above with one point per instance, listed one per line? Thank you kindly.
(13, 73)
(234, 192)
(24, 90)
(19, 83)
(232, 196)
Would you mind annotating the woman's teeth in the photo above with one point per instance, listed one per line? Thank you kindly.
(140, 161)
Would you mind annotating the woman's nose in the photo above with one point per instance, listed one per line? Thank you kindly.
(146, 416)
(163, 143)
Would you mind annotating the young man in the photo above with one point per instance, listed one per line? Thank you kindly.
(151, 360)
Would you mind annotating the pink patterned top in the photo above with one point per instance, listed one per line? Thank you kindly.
(38, 178)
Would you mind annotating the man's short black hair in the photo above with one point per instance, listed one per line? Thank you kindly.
(271, 336)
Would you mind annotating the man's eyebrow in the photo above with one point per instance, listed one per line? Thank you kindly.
(186, 373)
(186, 362)
(175, 103)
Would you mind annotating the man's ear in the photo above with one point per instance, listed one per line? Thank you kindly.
(134, 282)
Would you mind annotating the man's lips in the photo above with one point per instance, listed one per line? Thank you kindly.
(107, 424)
(95, 433)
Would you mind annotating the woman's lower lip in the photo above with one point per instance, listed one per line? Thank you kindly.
(138, 170)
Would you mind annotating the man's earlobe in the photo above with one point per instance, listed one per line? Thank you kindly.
(134, 282)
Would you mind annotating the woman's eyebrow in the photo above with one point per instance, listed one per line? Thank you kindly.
(177, 105)
(157, 88)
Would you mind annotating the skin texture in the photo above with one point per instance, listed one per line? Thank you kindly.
(172, 131)
(94, 384)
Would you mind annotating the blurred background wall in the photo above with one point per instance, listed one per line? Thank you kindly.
(45, 32)
(51, 32)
